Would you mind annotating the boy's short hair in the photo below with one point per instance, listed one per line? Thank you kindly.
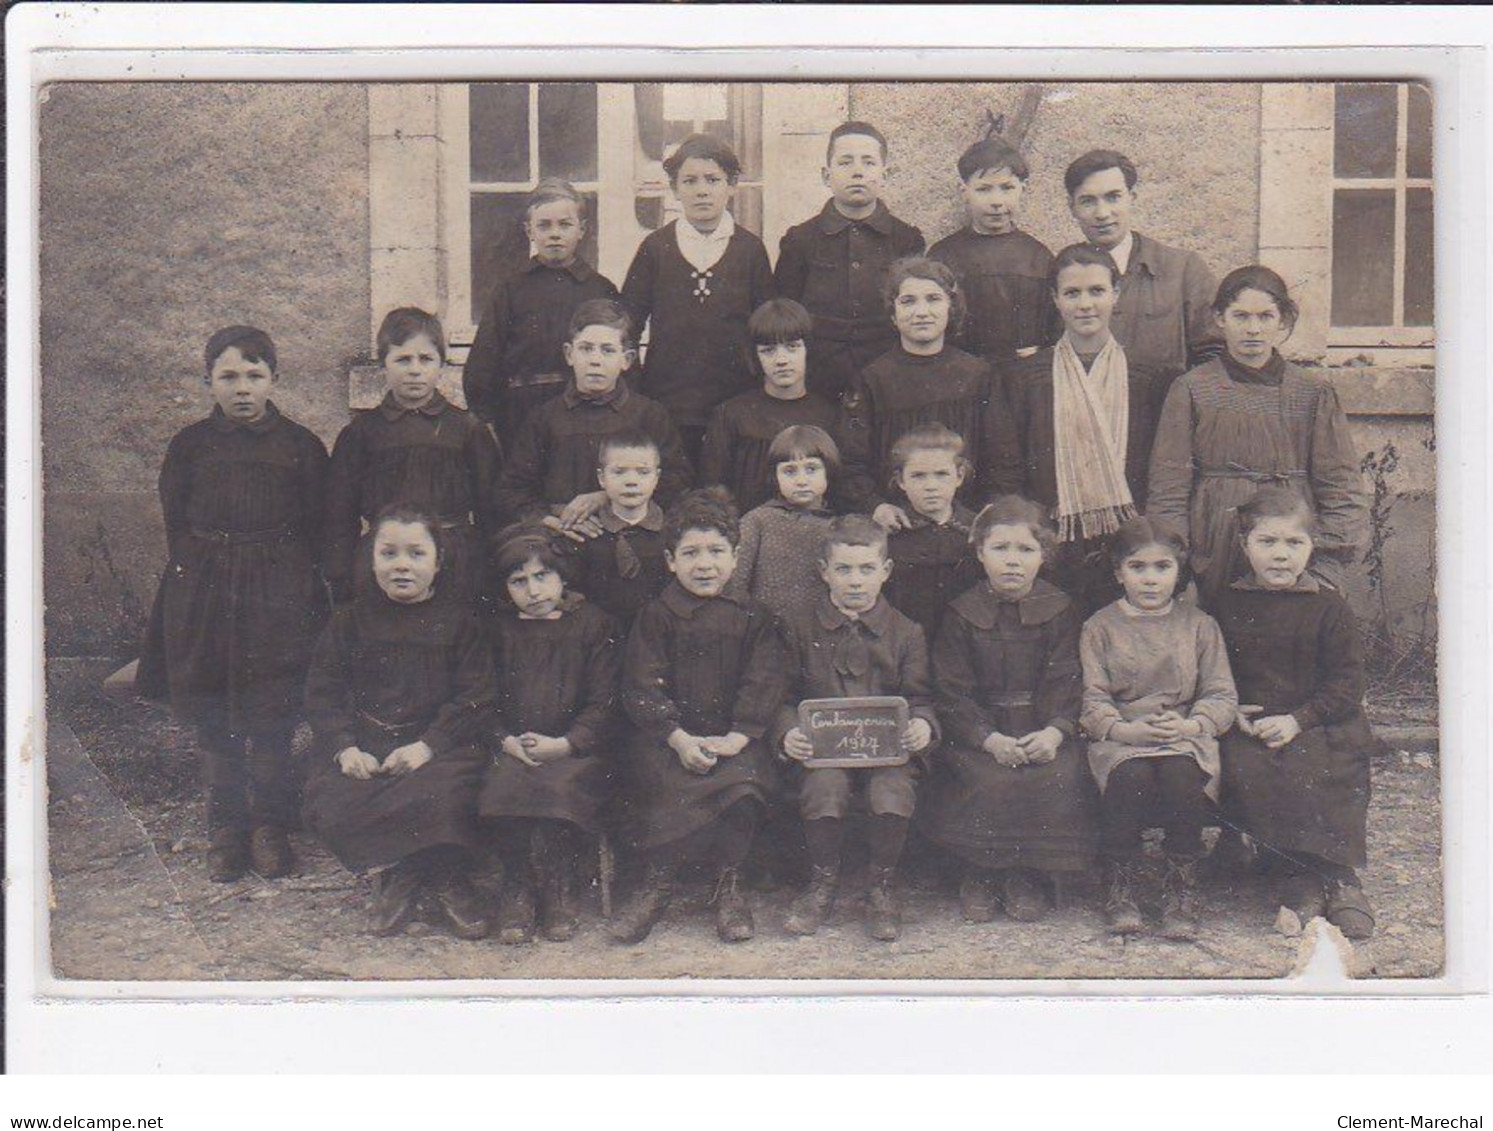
(601, 312)
(849, 129)
(1082, 255)
(930, 437)
(627, 438)
(992, 155)
(1013, 510)
(707, 508)
(400, 325)
(921, 267)
(854, 530)
(413, 515)
(1141, 531)
(551, 190)
(1096, 161)
(251, 341)
(1274, 501)
(703, 147)
(515, 545)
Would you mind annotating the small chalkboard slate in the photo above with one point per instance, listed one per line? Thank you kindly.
(854, 733)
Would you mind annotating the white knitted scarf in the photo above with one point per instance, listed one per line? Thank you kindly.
(1091, 428)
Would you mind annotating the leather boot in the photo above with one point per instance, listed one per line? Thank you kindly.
(460, 906)
(813, 904)
(398, 893)
(1025, 895)
(883, 913)
(227, 855)
(733, 915)
(648, 906)
(516, 913)
(557, 918)
(1179, 899)
(977, 895)
(270, 855)
(1120, 908)
(1349, 910)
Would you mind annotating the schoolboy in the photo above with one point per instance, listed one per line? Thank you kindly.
(1003, 270)
(855, 644)
(551, 473)
(517, 361)
(623, 567)
(834, 263)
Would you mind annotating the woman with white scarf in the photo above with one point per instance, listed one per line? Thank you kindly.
(1087, 417)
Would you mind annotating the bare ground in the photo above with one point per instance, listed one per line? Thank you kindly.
(131, 898)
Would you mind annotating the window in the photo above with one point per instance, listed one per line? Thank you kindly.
(666, 114)
(1383, 275)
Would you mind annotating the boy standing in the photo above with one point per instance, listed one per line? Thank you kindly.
(1003, 269)
(855, 644)
(551, 474)
(834, 263)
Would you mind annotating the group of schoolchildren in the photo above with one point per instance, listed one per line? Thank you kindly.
(591, 603)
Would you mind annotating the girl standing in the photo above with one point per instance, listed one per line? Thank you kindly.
(1250, 418)
(1086, 415)
(1157, 694)
(398, 688)
(1296, 769)
(241, 601)
(557, 661)
(1010, 794)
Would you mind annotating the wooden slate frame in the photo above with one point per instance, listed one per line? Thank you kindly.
(884, 716)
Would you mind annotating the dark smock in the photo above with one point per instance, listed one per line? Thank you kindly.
(900, 390)
(1298, 652)
(734, 454)
(517, 360)
(241, 601)
(1012, 667)
(556, 678)
(837, 267)
(1008, 299)
(711, 666)
(932, 564)
(384, 675)
(439, 459)
(623, 567)
(1081, 567)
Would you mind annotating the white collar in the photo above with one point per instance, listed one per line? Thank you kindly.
(703, 250)
(1120, 253)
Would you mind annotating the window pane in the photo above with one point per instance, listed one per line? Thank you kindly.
(1418, 138)
(499, 245)
(499, 113)
(1363, 223)
(567, 130)
(1364, 133)
(1420, 264)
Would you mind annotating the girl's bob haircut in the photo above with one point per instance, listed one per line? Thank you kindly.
(1273, 501)
(1082, 255)
(703, 147)
(1256, 278)
(1139, 532)
(803, 441)
(780, 320)
(400, 325)
(552, 190)
(517, 545)
(930, 437)
(1013, 510)
(251, 341)
(414, 516)
(708, 508)
(921, 267)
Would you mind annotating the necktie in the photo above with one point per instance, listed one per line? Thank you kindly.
(629, 565)
(852, 654)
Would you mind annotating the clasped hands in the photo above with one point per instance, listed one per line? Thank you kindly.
(358, 763)
(1163, 726)
(536, 749)
(1274, 731)
(916, 735)
(699, 753)
(1034, 749)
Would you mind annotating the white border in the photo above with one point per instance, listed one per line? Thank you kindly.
(49, 42)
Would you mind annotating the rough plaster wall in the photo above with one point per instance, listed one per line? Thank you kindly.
(1196, 146)
(168, 210)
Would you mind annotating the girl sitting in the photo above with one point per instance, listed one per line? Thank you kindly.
(398, 688)
(1157, 694)
(1010, 794)
(1296, 770)
(556, 657)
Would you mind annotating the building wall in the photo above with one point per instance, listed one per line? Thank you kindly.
(167, 211)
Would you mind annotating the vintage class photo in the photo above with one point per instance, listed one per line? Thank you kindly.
(748, 530)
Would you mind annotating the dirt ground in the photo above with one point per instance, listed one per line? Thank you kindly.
(131, 898)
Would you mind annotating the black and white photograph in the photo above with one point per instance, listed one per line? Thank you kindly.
(885, 530)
